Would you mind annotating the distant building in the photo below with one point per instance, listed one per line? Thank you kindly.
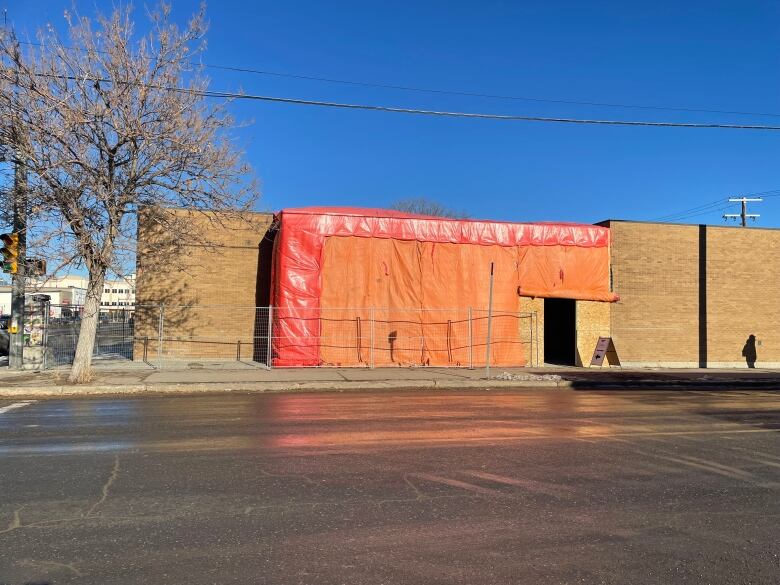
(62, 298)
(118, 295)
(70, 290)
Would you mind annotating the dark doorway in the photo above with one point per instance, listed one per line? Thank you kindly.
(559, 328)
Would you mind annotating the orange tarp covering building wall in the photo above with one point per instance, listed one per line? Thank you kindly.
(358, 286)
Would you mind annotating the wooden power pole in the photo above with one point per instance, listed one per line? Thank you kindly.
(743, 215)
(18, 285)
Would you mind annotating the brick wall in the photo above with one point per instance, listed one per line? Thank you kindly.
(692, 295)
(743, 294)
(207, 293)
(536, 307)
(592, 322)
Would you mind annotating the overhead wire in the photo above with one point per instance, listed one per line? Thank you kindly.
(487, 95)
(716, 206)
(439, 113)
(703, 207)
(410, 88)
(483, 116)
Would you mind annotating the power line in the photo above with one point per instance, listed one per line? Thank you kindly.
(485, 95)
(680, 218)
(457, 92)
(716, 206)
(704, 207)
(439, 113)
(473, 115)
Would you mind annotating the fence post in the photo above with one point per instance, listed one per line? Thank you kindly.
(371, 350)
(238, 350)
(449, 340)
(45, 346)
(471, 343)
(268, 357)
(146, 350)
(490, 325)
(531, 339)
(160, 328)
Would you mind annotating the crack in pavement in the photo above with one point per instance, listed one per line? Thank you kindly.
(32, 563)
(417, 490)
(52, 522)
(305, 478)
(16, 521)
(106, 486)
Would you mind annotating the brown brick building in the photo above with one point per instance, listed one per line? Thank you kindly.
(690, 296)
(208, 295)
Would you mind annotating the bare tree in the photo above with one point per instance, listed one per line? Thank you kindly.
(113, 124)
(423, 206)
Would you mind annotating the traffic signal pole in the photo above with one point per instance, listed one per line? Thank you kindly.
(16, 326)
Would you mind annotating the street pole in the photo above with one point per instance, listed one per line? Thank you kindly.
(16, 345)
(743, 216)
(16, 326)
(490, 324)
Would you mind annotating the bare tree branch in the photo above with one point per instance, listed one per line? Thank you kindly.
(423, 206)
(103, 139)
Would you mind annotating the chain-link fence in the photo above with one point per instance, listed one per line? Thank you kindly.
(382, 337)
(113, 340)
(172, 336)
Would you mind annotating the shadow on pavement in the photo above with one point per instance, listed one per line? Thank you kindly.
(765, 419)
(700, 380)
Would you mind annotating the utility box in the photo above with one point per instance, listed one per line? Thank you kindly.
(36, 324)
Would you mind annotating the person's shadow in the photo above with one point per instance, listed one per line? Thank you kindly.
(749, 351)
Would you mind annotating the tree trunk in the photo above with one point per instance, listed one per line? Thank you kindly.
(81, 371)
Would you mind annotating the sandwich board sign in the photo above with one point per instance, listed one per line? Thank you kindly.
(604, 346)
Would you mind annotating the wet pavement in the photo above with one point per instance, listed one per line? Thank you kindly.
(548, 486)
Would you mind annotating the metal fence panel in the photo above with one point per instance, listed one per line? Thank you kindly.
(187, 336)
(113, 340)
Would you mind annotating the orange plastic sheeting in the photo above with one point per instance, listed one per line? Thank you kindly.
(399, 278)
(299, 272)
(458, 276)
(564, 272)
(358, 276)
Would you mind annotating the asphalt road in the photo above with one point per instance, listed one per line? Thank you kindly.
(553, 486)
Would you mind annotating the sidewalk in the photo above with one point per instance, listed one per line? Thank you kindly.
(216, 378)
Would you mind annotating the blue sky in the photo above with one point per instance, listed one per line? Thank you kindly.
(712, 55)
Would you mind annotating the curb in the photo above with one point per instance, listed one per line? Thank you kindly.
(184, 389)
(75, 391)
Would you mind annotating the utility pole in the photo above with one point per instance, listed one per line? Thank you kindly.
(744, 215)
(16, 326)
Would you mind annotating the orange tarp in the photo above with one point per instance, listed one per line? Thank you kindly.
(422, 291)
(566, 272)
(357, 286)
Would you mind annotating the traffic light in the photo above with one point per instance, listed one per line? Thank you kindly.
(35, 267)
(10, 252)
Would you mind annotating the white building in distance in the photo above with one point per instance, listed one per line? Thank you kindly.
(71, 290)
